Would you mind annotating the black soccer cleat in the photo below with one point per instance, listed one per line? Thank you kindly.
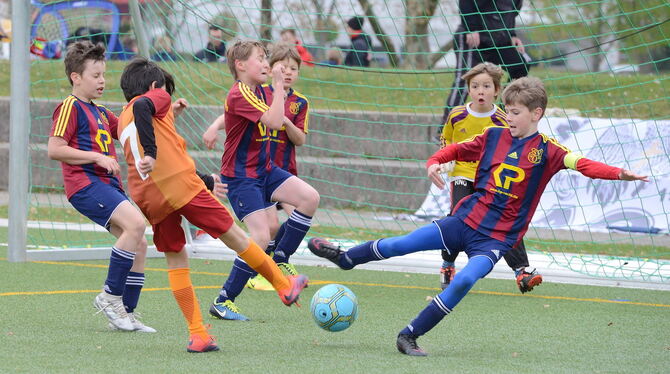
(323, 248)
(407, 345)
(527, 281)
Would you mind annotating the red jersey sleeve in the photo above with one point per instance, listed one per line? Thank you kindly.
(597, 170)
(161, 100)
(243, 102)
(557, 153)
(64, 119)
(112, 120)
(471, 149)
(302, 119)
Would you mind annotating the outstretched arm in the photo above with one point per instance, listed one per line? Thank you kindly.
(599, 170)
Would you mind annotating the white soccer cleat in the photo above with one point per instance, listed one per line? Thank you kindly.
(137, 324)
(112, 307)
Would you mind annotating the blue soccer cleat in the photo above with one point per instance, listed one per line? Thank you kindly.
(226, 310)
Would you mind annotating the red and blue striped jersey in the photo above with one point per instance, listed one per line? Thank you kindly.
(87, 127)
(246, 149)
(282, 150)
(510, 178)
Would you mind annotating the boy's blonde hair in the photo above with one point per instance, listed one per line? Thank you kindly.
(283, 51)
(492, 70)
(241, 50)
(527, 91)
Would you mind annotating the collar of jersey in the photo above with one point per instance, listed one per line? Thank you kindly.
(479, 114)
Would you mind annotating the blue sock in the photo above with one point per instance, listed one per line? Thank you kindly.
(445, 302)
(361, 254)
(518, 271)
(280, 234)
(422, 239)
(448, 263)
(430, 316)
(131, 295)
(295, 229)
(476, 269)
(120, 263)
(239, 275)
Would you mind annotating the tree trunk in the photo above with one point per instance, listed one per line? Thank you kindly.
(419, 13)
(265, 30)
(435, 57)
(379, 32)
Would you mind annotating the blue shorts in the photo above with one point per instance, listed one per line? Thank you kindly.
(248, 195)
(98, 201)
(457, 236)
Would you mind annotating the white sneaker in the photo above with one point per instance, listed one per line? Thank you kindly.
(112, 307)
(137, 324)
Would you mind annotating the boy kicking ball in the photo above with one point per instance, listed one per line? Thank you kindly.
(515, 166)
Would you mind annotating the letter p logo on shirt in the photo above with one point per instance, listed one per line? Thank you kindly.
(505, 174)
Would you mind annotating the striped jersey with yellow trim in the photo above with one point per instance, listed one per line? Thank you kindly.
(296, 109)
(85, 126)
(247, 148)
(463, 124)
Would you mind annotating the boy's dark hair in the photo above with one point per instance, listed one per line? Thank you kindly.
(138, 75)
(283, 51)
(169, 82)
(492, 70)
(242, 50)
(214, 28)
(526, 91)
(356, 23)
(80, 52)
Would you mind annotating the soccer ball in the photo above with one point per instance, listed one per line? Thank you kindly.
(334, 307)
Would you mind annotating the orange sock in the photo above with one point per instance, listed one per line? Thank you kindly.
(263, 264)
(182, 289)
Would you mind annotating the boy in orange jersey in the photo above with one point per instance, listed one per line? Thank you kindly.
(165, 186)
(463, 123)
(81, 139)
(254, 182)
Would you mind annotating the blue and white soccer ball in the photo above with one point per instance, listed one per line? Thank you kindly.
(334, 307)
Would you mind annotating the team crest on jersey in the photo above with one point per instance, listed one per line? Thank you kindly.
(104, 118)
(294, 108)
(535, 155)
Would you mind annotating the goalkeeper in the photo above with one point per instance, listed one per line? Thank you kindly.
(465, 122)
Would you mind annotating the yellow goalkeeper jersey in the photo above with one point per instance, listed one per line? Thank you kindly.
(464, 123)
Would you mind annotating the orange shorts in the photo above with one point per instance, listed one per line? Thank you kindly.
(204, 211)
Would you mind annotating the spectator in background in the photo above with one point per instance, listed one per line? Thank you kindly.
(128, 49)
(333, 57)
(486, 34)
(359, 54)
(289, 37)
(215, 51)
(164, 51)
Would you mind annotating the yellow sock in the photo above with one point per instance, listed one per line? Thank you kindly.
(263, 264)
(182, 289)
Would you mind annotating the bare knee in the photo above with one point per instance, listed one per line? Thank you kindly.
(142, 247)
(310, 201)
